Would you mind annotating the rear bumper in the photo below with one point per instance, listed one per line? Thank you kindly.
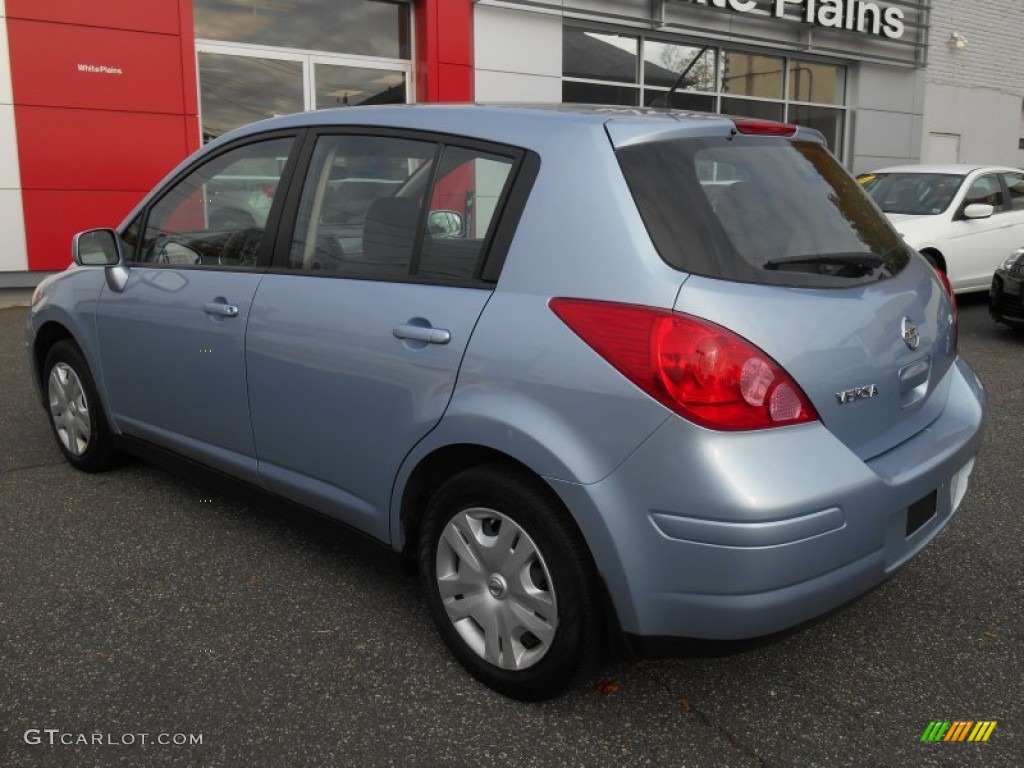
(739, 535)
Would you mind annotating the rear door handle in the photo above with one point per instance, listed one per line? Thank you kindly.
(422, 333)
(217, 308)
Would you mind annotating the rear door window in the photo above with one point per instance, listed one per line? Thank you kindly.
(760, 210)
(400, 208)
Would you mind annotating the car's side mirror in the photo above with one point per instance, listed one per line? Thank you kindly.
(978, 211)
(96, 248)
(101, 248)
(446, 224)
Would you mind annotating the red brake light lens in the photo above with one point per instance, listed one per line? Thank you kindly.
(944, 279)
(764, 127)
(699, 370)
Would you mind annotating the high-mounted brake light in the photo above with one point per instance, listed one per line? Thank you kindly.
(699, 370)
(764, 127)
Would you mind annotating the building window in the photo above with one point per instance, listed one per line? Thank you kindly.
(360, 27)
(260, 58)
(603, 67)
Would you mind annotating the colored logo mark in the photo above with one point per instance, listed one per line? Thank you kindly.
(958, 730)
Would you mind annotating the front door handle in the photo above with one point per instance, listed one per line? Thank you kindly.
(218, 308)
(422, 333)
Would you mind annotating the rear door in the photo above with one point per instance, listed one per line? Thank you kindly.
(356, 336)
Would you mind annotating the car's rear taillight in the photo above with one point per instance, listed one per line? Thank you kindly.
(944, 279)
(763, 127)
(700, 370)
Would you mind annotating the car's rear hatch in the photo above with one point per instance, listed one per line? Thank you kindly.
(847, 349)
(781, 246)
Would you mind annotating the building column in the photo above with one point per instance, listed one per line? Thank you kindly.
(444, 50)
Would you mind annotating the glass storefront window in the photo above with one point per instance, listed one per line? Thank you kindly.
(600, 67)
(748, 74)
(664, 62)
(761, 110)
(820, 83)
(342, 86)
(687, 100)
(599, 56)
(828, 121)
(595, 93)
(238, 90)
(360, 27)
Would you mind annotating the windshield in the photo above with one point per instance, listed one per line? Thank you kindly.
(760, 210)
(918, 194)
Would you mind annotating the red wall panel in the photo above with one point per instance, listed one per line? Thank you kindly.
(57, 65)
(190, 84)
(90, 149)
(105, 104)
(145, 15)
(444, 50)
(53, 217)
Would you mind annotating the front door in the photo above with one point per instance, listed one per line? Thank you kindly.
(172, 342)
(979, 246)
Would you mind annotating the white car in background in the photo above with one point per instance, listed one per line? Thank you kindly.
(964, 219)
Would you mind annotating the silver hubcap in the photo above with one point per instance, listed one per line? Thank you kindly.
(496, 588)
(69, 409)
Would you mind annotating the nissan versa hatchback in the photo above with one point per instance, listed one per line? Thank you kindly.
(601, 373)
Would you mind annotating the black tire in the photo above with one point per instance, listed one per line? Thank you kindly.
(70, 392)
(935, 260)
(558, 579)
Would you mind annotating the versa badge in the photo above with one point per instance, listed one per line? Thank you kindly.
(857, 393)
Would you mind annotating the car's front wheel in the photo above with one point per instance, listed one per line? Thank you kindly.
(76, 415)
(510, 583)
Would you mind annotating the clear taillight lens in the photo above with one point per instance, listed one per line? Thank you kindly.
(700, 370)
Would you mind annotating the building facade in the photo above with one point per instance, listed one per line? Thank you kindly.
(99, 100)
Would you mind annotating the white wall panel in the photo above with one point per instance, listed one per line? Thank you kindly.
(517, 41)
(513, 87)
(13, 253)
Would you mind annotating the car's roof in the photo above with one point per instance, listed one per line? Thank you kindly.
(959, 169)
(388, 113)
(527, 125)
(524, 124)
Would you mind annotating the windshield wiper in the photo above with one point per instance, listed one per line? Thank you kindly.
(862, 260)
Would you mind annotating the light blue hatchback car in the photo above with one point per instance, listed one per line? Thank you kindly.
(597, 371)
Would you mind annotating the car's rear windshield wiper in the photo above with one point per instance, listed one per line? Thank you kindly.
(862, 260)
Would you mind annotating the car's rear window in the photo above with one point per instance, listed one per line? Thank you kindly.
(760, 210)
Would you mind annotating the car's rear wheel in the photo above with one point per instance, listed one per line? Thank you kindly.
(76, 416)
(510, 583)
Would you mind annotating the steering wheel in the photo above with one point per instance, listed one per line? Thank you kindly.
(241, 248)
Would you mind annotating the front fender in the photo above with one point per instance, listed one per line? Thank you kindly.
(69, 300)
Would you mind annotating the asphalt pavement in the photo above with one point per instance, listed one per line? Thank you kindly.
(149, 621)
